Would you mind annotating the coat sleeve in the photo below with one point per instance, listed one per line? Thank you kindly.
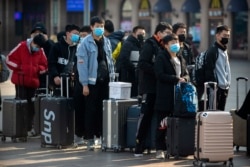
(210, 64)
(82, 63)
(13, 59)
(52, 61)
(166, 76)
(43, 63)
(146, 59)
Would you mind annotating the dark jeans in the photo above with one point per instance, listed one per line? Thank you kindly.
(221, 98)
(26, 93)
(147, 110)
(161, 133)
(79, 104)
(93, 110)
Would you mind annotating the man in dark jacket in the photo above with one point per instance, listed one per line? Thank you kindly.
(147, 77)
(217, 65)
(62, 56)
(128, 60)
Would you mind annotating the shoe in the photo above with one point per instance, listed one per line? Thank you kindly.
(138, 149)
(31, 133)
(98, 141)
(90, 144)
(160, 154)
(78, 140)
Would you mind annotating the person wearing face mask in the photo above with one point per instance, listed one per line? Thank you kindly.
(27, 61)
(94, 65)
(62, 57)
(180, 29)
(126, 64)
(170, 68)
(147, 81)
(217, 65)
(39, 28)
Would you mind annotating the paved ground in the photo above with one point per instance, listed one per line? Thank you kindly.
(30, 154)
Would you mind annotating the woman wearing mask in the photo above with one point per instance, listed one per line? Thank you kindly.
(170, 69)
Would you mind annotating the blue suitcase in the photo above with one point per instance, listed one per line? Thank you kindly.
(133, 117)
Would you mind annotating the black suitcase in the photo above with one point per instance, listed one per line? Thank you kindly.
(14, 119)
(180, 137)
(134, 116)
(37, 102)
(57, 118)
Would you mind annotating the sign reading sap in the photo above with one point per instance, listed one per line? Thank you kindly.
(49, 116)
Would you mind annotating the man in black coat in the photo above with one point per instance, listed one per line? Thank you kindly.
(127, 62)
(147, 81)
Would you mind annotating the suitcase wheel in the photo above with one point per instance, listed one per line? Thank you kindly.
(167, 156)
(3, 138)
(59, 147)
(75, 145)
(104, 149)
(229, 163)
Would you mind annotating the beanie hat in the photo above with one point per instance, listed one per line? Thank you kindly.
(40, 27)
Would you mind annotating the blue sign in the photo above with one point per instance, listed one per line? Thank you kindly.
(77, 5)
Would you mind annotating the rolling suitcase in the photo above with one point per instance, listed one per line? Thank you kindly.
(134, 116)
(14, 119)
(239, 124)
(15, 113)
(57, 119)
(213, 133)
(180, 137)
(114, 123)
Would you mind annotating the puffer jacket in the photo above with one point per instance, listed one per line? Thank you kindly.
(26, 65)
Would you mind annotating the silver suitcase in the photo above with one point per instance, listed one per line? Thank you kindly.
(114, 123)
(213, 134)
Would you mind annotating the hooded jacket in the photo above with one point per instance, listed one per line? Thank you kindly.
(26, 65)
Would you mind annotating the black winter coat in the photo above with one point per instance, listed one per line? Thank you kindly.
(126, 69)
(166, 80)
(60, 53)
(147, 79)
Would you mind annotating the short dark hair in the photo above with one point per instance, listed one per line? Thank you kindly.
(178, 25)
(163, 26)
(96, 19)
(109, 26)
(221, 28)
(169, 37)
(60, 35)
(39, 40)
(85, 29)
(137, 27)
(71, 27)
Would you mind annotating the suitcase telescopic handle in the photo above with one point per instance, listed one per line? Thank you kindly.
(212, 102)
(237, 89)
(64, 75)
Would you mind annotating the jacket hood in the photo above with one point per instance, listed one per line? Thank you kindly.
(117, 35)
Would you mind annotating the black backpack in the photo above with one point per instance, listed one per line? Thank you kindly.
(198, 76)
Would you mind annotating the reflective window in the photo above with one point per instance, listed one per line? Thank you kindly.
(239, 32)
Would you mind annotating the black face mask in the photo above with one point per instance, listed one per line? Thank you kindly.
(224, 41)
(140, 38)
(182, 37)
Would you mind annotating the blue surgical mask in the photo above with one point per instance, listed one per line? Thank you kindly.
(75, 38)
(34, 49)
(175, 47)
(98, 31)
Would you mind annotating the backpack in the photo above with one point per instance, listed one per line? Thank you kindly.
(198, 76)
(4, 72)
(185, 102)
